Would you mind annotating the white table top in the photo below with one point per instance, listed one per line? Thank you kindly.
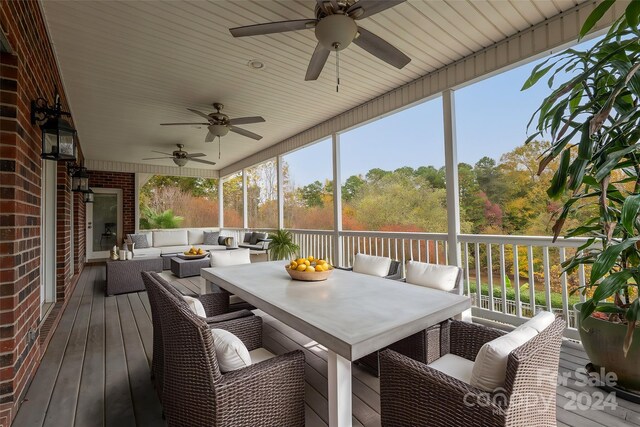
(350, 313)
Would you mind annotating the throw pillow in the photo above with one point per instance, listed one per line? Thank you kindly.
(211, 237)
(247, 237)
(490, 368)
(221, 240)
(442, 277)
(139, 240)
(371, 265)
(195, 305)
(231, 352)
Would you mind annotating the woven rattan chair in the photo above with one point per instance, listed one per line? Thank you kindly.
(153, 282)
(196, 393)
(414, 394)
(415, 346)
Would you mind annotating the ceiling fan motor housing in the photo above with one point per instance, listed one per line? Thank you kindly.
(336, 32)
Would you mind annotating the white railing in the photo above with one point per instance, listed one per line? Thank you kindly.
(517, 271)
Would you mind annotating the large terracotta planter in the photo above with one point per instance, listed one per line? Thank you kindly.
(602, 341)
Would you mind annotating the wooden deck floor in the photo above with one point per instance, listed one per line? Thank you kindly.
(96, 369)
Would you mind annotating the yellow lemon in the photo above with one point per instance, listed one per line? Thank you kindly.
(300, 261)
(306, 261)
(301, 267)
(294, 264)
(321, 261)
(309, 269)
(310, 258)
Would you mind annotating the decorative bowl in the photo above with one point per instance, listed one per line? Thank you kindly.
(315, 276)
(197, 256)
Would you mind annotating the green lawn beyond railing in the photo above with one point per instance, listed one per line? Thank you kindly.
(556, 298)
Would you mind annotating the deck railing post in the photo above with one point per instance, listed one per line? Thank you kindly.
(337, 199)
(245, 210)
(451, 168)
(279, 163)
(220, 202)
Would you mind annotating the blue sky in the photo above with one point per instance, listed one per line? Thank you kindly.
(491, 119)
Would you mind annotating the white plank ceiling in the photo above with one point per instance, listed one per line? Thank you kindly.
(128, 66)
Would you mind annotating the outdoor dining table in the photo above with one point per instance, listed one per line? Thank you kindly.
(351, 314)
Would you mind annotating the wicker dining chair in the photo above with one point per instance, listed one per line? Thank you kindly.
(152, 281)
(197, 394)
(415, 346)
(414, 394)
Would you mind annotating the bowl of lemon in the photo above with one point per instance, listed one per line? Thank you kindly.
(309, 269)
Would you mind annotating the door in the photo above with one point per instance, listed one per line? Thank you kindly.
(48, 232)
(104, 222)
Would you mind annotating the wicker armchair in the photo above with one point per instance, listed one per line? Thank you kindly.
(395, 273)
(414, 394)
(196, 393)
(229, 321)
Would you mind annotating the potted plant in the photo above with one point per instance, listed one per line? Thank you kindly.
(593, 119)
(282, 245)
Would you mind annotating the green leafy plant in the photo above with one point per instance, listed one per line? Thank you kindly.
(150, 219)
(282, 245)
(593, 120)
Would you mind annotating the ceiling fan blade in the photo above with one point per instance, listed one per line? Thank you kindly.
(245, 132)
(191, 156)
(371, 7)
(200, 113)
(203, 161)
(246, 120)
(210, 137)
(272, 27)
(381, 49)
(318, 59)
(180, 124)
(162, 152)
(158, 158)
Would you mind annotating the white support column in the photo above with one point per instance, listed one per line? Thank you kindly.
(245, 210)
(279, 162)
(451, 167)
(220, 203)
(337, 201)
(339, 379)
(140, 180)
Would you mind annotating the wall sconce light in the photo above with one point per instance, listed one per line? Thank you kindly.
(79, 178)
(88, 196)
(58, 136)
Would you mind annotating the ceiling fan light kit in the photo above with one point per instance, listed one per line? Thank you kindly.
(336, 32)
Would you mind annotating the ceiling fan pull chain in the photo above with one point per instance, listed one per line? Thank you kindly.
(337, 71)
(219, 150)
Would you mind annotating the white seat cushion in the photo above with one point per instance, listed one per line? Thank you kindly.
(260, 355)
(454, 366)
(174, 249)
(195, 236)
(371, 265)
(170, 238)
(442, 277)
(490, 367)
(540, 321)
(231, 352)
(195, 305)
(146, 252)
(212, 247)
(234, 257)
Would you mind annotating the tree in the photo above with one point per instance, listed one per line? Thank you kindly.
(312, 194)
(352, 187)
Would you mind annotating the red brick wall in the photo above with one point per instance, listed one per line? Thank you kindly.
(30, 72)
(126, 182)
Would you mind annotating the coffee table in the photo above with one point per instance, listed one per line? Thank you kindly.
(125, 276)
(188, 267)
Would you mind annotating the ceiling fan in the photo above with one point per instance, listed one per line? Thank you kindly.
(181, 157)
(220, 124)
(335, 29)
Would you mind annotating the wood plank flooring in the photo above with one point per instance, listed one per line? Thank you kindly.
(96, 369)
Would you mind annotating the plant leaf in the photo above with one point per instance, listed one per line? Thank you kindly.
(607, 259)
(595, 16)
(630, 209)
(560, 177)
(632, 13)
(611, 284)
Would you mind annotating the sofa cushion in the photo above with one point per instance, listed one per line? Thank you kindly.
(174, 249)
(195, 236)
(146, 252)
(260, 355)
(371, 265)
(170, 238)
(247, 237)
(442, 277)
(256, 237)
(234, 257)
(195, 305)
(490, 368)
(140, 240)
(231, 352)
(540, 321)
(210, 237)
(221, 240)
(454, 366)
(212, 247)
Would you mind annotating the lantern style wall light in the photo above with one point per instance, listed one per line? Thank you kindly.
(88, 196)
(79, 178)
(58, 136)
